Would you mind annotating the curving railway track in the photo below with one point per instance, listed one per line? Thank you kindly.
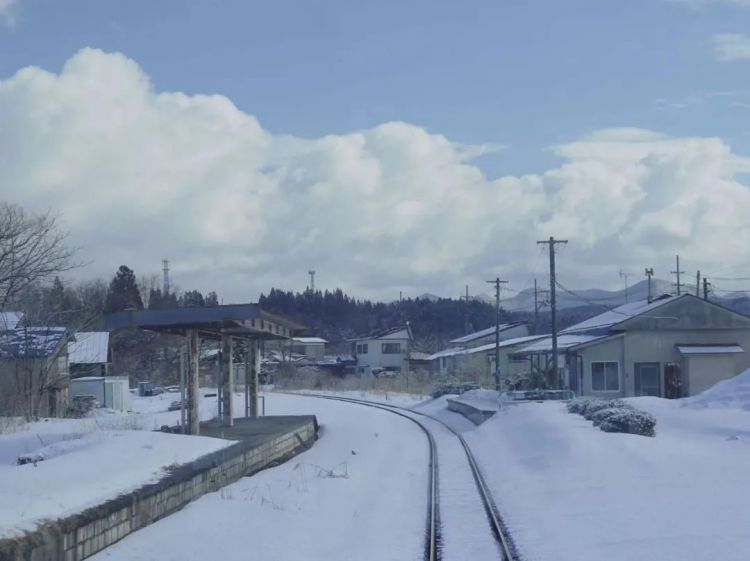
(506, 549)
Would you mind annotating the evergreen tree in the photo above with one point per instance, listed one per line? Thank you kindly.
(192, 299)
(212, 299)
(123, 292)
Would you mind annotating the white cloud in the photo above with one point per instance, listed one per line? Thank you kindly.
(139, 175)
(8, 12)
(731, 46)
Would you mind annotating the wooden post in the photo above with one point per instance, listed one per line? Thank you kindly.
(193, 391)
(253, 378)
(227, 382)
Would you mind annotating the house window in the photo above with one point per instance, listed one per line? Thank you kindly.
(605, 376)
(391, 348)
(361, 348)
(443, 362)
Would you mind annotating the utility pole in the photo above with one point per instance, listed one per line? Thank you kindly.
(553, 299)
(165, 269)
(649, 274)
(698, 284)
(624, 275)
(311, 272)
(466, 311)
(678, 273)
(706, 284)
(497, 282)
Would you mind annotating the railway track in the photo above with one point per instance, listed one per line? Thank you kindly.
(432, 552)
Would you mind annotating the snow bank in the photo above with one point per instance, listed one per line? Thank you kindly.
(484, 400)
(733, 393)
(79, 471)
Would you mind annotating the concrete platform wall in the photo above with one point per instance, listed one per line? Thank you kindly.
(79, 536)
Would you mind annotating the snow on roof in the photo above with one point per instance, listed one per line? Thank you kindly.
(485, 332)
(10, 320)
(709, 349)
(563, 342)
(416, 355)
(618, 315)
(89, 347)
(31, 342)
(453, 351)
(506, 343)
(309, 340)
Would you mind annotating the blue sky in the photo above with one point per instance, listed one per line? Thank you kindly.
(522, 74)
(623, 127)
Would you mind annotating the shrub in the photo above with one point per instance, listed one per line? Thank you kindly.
(599, 404)
(602, 414)
(452, 387)
(630, 421)
(578, 404)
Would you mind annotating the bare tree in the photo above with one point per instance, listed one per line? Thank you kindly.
(32, 249)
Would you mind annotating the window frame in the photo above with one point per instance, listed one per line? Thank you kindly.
(396, 345)
(604, 372)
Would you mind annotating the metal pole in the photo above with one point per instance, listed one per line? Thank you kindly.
(497, 282)
(182, 386)
(698, 283)
(193, 388)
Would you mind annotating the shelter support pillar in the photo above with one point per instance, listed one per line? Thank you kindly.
(252, 380)
(193, 391)
(227, 380)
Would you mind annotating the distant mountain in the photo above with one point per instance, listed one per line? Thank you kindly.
(524, 300)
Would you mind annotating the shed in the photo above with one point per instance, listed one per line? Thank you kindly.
(89, 354)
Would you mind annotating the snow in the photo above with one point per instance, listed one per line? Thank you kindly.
(709, 349)
(731, 393)
(484, 400)
(82, 469)
(571, 492)
(485, 332)
(563, 342)
(386, 398)
(618, 315)
(373, 508)
(89, 347)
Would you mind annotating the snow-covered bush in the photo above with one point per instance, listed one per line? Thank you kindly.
(599, 404)
(578, 404)
(602, 414)
(630, 421)
(448, 387)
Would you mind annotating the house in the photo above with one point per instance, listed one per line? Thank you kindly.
(89, 354)
(669, 347)
(313, 348)
(10, 320)
(478, 363)
(452, 359)
(385, 350)
(34, 372)
(486, 336)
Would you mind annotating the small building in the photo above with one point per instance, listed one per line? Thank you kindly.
(34, 374)
(451, 361)
(314, 348)
(112, 392)
(383, 351)
(89, 354)
(478, 363)
(670, 347)
(486, 336)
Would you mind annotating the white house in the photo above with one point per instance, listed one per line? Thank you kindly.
(670, 347)
(310, 347)
(385, 350)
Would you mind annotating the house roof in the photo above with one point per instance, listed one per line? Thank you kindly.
(417, 356)
(89, 347)
(310, 340)
(385, 332)
(617, 315)
(485, 332)
(453, 351)
(709, 349)
(31, 342)
(10, 320)
(563, 342)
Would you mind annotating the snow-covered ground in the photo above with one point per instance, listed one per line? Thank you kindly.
(387, 398)
(571, 492)
(82, 462)
(359, 493)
